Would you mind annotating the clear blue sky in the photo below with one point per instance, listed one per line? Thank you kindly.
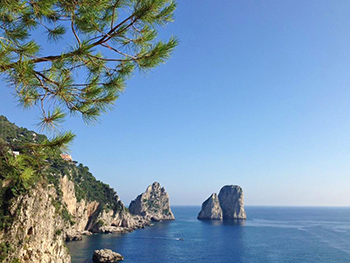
(257, 94)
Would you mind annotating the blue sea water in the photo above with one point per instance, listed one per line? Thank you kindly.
(270, 234)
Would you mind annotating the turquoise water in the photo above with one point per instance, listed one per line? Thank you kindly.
(270, 234)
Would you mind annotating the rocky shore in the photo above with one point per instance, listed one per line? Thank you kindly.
(39, 231)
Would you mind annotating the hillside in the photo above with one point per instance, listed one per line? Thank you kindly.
(86, 186)
(45, 200)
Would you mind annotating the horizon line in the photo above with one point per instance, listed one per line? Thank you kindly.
(291, 206)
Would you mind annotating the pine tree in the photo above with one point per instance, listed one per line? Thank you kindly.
(110, 39)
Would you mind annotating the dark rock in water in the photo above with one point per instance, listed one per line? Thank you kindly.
(211, 209)
(106, 256)
(152, 204)
(228, 205)
(231, 202)
(73, 237)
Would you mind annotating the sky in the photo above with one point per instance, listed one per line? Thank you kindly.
(257, 94)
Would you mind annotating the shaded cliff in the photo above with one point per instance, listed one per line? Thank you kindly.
(231, 202)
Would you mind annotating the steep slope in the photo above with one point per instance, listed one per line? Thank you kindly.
(38, 212)
(36, 234)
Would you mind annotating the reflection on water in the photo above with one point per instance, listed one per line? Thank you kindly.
(225, 222)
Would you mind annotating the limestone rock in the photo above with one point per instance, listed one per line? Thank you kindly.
(228, 205)
(73, 236)
(90, 216)
(43, 217)
(152, 204)
(106, 256)
(211, 209)
(82, 212)
(231, 202)
(37, 232)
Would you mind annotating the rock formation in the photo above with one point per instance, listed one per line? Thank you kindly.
(36, 234)
(211, 209)
(106, 256)
(228, 205)
(66, 203)
(152, 204)
(91, 216)
(231, 202)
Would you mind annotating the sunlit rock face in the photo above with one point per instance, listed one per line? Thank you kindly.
(36, 234)
(152, 204)
(229, 204)
(211, 209)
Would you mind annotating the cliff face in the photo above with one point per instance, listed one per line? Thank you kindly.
(39, 231)
(36, 235)
(228, 205)
(92, 216)
(81, 211)
(39, 211)
(211, 209)
(153, 204)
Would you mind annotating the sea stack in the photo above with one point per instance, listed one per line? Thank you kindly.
(211, 209)
(153, 204)
(228, 205)
(231, 202)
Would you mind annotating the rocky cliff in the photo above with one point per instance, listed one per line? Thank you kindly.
(44, 218)
(228, 205)
(153, 204)
(96, 217)
(40, 211)
(211, 209)
(37, 231)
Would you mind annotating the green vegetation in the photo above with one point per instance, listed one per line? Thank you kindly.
(86, 185)
(16, 137)
(101, 42)
(20, 173)
(5, 249)
(166, 211)
(58, 232)
(104, 41)
(100, 223)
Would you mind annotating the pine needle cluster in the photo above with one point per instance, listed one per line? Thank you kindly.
(110, 39)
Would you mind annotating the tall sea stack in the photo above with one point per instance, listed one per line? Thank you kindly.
(231, 202)
(153, 204)
(228, 205)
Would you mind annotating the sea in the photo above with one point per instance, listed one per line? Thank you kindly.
(270, 234)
